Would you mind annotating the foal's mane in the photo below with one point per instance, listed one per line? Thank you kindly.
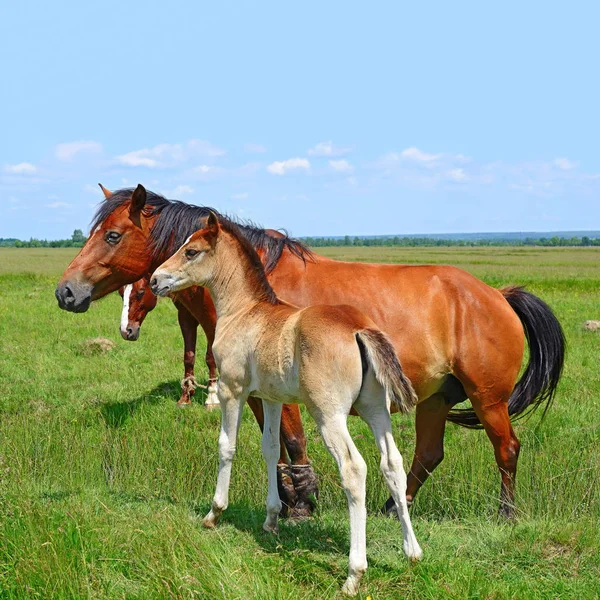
(176, 221)
(256, 268)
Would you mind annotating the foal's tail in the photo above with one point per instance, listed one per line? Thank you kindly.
(380, 354)
(546, 341)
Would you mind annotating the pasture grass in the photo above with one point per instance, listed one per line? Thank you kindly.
(103, 481)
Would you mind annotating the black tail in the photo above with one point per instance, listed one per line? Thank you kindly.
(547, 344)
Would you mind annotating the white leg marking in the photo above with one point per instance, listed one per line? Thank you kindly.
(212, 399)
(270, 449)
(125, 311)
(231, 415)
(353, 471)
(392, 468)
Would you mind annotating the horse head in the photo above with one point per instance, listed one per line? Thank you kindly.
(115, 254)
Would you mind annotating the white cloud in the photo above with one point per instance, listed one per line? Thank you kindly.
(565, 164)
(169, 155)
(341, 166)
(58, 205)
(281, 167)
(415, 154)
(68, 150)
(247, 169)
(13, 200)
(458, 175)
(327, 149)
(241, 196)
(182, 190)
(23, 168)
(257, 148)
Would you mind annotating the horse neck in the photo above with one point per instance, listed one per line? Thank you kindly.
(235, 285)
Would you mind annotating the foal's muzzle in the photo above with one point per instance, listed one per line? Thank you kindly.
(161, 284)
(74, 296)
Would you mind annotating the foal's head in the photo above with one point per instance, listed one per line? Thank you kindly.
(192, 264)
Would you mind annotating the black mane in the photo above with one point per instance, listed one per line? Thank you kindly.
(256, 265)
(176, 221)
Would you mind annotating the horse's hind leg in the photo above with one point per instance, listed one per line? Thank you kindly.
(429, 452)
(496, 422)
(376, 414)
(270, 449)
(353, 472)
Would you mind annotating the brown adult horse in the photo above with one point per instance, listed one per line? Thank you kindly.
(456, 337)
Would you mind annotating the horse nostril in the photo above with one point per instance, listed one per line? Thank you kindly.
(68, 292)
(153, 283)
(129, 331)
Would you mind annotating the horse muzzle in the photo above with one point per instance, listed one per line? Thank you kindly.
(161, 284)
(131, 333)
(74, 296)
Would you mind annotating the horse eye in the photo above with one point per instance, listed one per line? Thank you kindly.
(112, 237)
(190, 253)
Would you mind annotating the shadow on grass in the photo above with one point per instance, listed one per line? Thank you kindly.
(117, 414)
(315, 534)
(321, 542)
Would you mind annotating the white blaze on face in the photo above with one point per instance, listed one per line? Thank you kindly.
(125, 313)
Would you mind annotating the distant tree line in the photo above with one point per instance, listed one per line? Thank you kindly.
(75, 241)
(316, 242)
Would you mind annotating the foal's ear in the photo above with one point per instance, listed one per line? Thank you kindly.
(138, 200)
(212, 222)
(107, 193)
(212, 227)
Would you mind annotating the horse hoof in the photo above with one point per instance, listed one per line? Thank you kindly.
(274, 529)
(507, 513)
(350, 587)
(184, 404)
(300, 512)
(414, 554)
(210, 520)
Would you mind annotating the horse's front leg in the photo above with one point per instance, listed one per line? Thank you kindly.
(270, 449)
(232, 403)
(189, 329)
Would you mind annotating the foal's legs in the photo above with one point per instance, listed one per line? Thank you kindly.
(377, 416)
(270, 448)
(353, 472)
(231, 414)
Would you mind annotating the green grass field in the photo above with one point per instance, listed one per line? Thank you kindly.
(103, 482)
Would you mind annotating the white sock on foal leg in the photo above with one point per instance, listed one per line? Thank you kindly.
(270, 449)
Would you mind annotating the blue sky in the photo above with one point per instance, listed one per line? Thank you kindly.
(319, 117)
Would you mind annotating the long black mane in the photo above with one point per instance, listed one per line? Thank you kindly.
(256, 266)
(176, 221)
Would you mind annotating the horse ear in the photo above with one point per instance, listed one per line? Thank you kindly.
(107, 193)
(138, 200)
(212, 222)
